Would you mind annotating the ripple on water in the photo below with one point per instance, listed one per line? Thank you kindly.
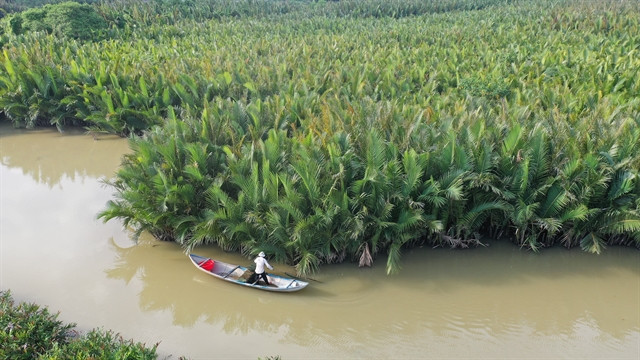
(348, 292)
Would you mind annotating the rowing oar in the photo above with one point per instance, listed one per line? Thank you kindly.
(302, 277)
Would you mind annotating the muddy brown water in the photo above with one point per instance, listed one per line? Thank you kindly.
(493, 302)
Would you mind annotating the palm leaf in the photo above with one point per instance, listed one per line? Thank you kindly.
(592, 243)
(555, 201)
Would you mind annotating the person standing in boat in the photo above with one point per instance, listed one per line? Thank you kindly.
(261, 262)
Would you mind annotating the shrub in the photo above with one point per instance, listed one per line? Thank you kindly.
(79, 21)
(101, 344)
(28, 331)
(69, 19)
(14, 6)
(15, 23)
(35, 20)
(486, 88)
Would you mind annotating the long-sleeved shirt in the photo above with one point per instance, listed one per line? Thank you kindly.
(260, 263)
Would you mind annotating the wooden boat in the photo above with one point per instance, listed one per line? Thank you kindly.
(238, 274)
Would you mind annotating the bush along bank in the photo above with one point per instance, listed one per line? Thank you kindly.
(29, 331)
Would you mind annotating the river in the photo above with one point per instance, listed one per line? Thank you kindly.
(492, 302)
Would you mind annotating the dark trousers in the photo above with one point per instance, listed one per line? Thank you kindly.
(263, 276)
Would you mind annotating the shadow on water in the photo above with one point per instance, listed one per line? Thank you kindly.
(171, 282)
(502, 262)
(496, 288)
(8, 130)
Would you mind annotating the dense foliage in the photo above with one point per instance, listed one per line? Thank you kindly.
(322, 132)
(21, 5)
(12, 6)
(28, 331)
(66, 19)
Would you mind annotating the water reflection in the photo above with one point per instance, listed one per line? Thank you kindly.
(46, 155)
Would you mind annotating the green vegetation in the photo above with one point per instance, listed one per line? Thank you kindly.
(66, 19)
(28, 331)
(12, 6)
(321, 132)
